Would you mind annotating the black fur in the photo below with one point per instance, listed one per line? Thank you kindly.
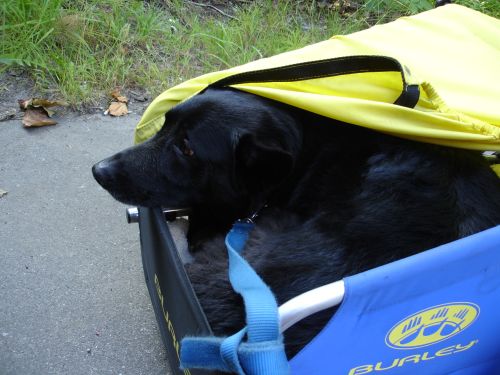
(341, 199)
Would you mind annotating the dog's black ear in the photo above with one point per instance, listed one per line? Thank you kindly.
(261, 166)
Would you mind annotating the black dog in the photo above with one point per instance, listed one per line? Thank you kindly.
(340, 199)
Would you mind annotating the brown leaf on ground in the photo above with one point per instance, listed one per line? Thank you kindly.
(118, 106)
(36, 112)
(117, 109)
(118, 96)
(24, 103)
(34, 117)
(39, 102)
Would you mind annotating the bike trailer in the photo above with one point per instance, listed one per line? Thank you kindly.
(432, 77)
(433, 313)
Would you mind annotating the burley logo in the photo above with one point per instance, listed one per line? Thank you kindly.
(432, 325)
(424, 328)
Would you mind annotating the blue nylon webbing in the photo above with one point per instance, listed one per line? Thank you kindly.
(263, 353)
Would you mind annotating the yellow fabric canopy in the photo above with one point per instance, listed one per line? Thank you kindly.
(433, 77)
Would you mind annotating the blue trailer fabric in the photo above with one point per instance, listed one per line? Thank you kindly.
(433, 313)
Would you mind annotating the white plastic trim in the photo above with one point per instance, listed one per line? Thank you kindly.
(309, 303)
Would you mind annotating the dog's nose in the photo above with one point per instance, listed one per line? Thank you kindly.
(103, 172)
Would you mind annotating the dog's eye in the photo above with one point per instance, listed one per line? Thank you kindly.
(186, 149)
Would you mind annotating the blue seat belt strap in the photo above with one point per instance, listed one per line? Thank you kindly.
(263, 353)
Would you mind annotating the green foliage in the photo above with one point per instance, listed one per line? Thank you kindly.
(491, 7)
(85, 48)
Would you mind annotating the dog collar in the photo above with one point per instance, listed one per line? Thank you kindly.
(251, 219)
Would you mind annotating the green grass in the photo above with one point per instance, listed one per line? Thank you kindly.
(80, 50)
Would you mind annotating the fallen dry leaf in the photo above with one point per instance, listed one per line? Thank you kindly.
(119, 106)
(117, 109)
(34, 117)
(39, 102)
(24, 103)
(36, 112)
(118, 96)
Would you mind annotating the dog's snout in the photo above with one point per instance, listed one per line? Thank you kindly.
(104, 171)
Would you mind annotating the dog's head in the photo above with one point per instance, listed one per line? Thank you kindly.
(221, 148)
